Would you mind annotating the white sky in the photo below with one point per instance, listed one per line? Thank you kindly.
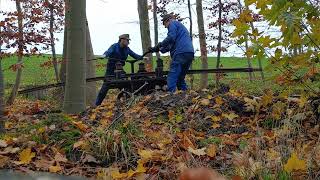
(110, 18)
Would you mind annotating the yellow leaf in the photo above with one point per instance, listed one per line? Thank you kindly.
(41, 130)
(8, 125)
(212, 151)
(302, 101)
(78, 144)
(145, 154)
(55, 169)
(80, 125)
(277, 110)
(198, 152)
(250, 104)
(210, 97)
(140, 168)
(246, 16)
(117, 175)
(93, 116)
(219, 100)
(230, 116)
(249, 52)
(215, 126)
(26, 156)
(215, 118)
(294, 163)
(234, 93)
(267, 98)
(205, 102)
(249, 2)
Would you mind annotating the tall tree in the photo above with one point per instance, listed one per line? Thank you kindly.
(63, 67)
(75, 89)
(2, 103)
(145, 28)
(155, 22)
(203, 43)
(52, 40)
(20, 53)
(191, 35)
(249, 60)
(219, 41)
(91, 91)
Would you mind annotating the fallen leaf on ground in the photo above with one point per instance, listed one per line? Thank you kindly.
(80, 125)
(43, 164)
(230, 116)
(60, 158)
(26, 156)
(79, 144)
(205, 102)
(294, 163)
(212, 151)
(215, 126)
(55, 169)
(198, 152)
(9, 150)
(3, 161)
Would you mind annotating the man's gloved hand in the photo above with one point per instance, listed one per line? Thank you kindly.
(156, 48)
(153, 49)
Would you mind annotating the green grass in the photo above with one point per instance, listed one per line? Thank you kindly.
(34, 74)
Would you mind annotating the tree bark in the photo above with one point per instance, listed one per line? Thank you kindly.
(53, 48)
(145, 29)
(203, 44)
(191, 35)
(63, 67)
(259, 59)
(219, 42)
(249, 60)
(156, 28)
(15, 88)
(2, 103)
(75, 89)
(91, 91)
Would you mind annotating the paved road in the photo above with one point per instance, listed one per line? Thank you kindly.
(9, 175)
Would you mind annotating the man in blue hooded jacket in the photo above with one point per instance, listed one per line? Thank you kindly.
(179, 43)
(117, 52)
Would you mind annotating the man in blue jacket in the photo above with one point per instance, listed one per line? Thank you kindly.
(117, 52)
(179, 43)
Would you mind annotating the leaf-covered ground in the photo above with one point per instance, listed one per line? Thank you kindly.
(159, 135)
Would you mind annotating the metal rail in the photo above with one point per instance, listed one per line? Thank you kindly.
(112, 80)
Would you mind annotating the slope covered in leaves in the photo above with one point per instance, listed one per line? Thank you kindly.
(159, 135)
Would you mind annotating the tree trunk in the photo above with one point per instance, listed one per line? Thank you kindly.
(145, 29)
(53, 48)
(249, 60)
(219, 42)
(259, 59)
(203, 44)
(75, 89)
(63, 67)
(15, 88)
(156, 29)
(2, 103)
(191, 35)
(91, 91)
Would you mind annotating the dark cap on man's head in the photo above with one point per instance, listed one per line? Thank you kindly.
(124, 36)
(166, 17)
